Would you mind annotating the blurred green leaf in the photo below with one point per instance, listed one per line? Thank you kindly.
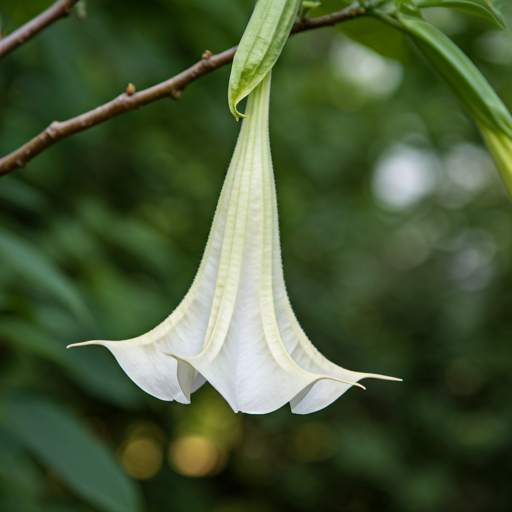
(16, 468)
(21, 194)
(60, 442)
(480, 8)
(378, 36)
(131, 235)
(11, 500)
(25, 336)
(31, 264)
(97, 372)
(500, 145)
(260, 47)
(94, 371)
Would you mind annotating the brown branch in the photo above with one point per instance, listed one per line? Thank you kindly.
(58, 10)
(131, 100)
(303, 24)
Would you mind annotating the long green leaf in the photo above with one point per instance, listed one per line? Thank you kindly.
(468, 85)
(460, 74)
(17, 468)
(26, 337)
(260, 47)
(29, 263)
(500, 145)
(481, 8)
(61, 443)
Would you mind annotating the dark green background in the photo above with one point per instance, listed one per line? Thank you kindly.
(101, 235)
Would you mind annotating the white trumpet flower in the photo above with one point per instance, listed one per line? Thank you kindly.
(235, 328)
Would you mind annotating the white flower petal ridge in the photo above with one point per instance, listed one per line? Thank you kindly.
(235, 328)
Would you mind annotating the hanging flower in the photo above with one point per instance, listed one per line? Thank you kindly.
(235, 328)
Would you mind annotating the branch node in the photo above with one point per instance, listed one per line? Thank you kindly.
(206, 55)
(176, 94)
(52, 130)
(130, 89)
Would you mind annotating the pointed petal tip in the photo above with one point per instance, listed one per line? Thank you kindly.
(381, 377)
(394, 379)
(83, 343)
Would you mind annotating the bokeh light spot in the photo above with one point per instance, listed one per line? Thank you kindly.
(196, 456)
(361, 67)
(142, 458)
(403, 176)
(495, 46)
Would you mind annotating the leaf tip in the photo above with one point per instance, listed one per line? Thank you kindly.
(234, 111)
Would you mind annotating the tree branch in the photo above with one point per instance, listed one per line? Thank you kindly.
(58, 10)
(131, 100)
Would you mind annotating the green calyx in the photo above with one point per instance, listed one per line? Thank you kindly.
(260, 47)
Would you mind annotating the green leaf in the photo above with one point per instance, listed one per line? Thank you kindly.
(22, 195)
(260, 47)
(24, 336)
(61, 443)
(481, 8)
(468, 85)
(500, 146)
(460, 74)
(29, 263)
(16, 468)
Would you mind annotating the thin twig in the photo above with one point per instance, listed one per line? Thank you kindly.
(131, 100)
(303, 24)
(58, 10)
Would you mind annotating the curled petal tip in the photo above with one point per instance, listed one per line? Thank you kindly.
(351, 383)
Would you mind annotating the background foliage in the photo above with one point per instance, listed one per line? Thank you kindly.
(396, 234)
